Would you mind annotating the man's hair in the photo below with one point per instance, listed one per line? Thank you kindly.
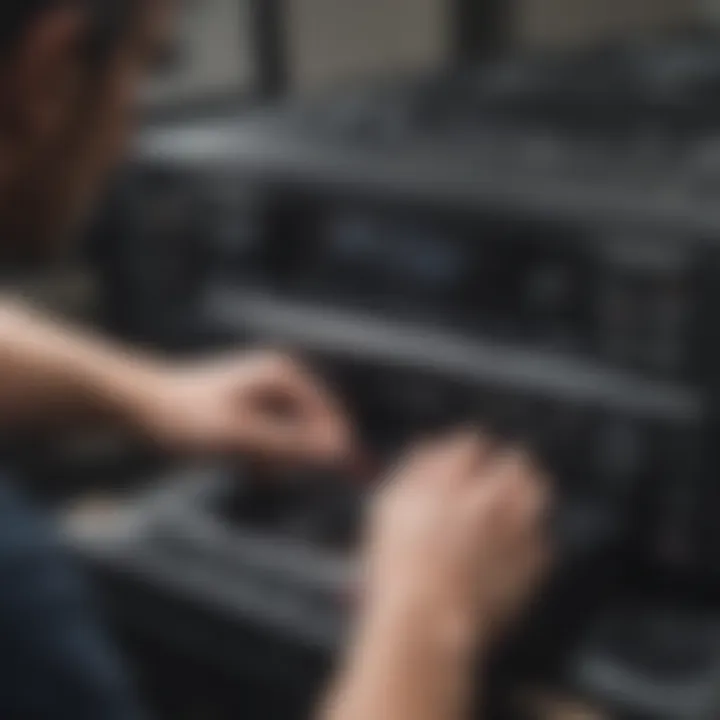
(107, 20)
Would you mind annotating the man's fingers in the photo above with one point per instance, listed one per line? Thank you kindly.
(298, 442)
(513, 495)
(453, 458)
(309, 405)
(528, 494)
(304, 388)
(527, 566)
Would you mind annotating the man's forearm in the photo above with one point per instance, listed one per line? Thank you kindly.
(48, 371)
(406, 664)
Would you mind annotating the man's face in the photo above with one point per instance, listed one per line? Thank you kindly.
(75, 120)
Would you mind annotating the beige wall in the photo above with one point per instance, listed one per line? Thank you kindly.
(709, 10)
(332, 40)
(328, 41)
(217, 53)
(335, 39)
(560, 22)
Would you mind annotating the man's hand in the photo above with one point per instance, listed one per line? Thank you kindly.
(456, 544)
(459, 531)
(263, 404)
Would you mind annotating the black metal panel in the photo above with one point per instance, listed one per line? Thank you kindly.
(480, 28)
(270, 46)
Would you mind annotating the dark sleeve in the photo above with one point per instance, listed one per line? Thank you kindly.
(54, 659)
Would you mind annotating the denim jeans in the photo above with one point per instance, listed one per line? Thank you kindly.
(55, 661)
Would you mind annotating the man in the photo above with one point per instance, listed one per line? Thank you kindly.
(456, 541)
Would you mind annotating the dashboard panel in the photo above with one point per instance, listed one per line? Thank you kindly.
(463, 251)
(629, 301)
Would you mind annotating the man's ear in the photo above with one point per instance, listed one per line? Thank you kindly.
(44, 76)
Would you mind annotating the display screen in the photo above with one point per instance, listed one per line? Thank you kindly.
(400, 255)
